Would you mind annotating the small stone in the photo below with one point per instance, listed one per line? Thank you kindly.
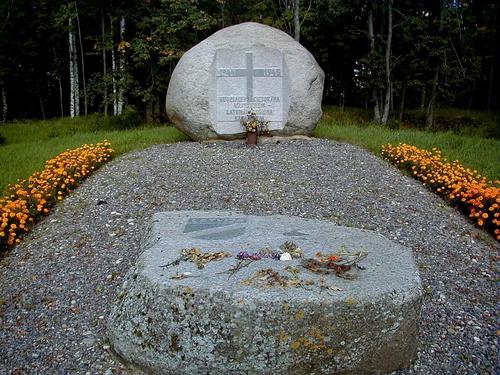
(285, 257)
(89, 340)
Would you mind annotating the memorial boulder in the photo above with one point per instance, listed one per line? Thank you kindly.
(242, 68)
(227, 293)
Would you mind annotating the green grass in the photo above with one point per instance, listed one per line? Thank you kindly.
(352, 126)
(30, 144)
(459, 121)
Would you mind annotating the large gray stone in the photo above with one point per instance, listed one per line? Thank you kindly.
(243, 67)
(213, 324)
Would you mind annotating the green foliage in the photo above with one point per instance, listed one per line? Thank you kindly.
(457, 39)
(29, 144)
(130, 118)
(351, 126)
(462, 122)
(165, 29)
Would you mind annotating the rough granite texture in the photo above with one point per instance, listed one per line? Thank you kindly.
(188, 98)
(213, 323)
(58, 287)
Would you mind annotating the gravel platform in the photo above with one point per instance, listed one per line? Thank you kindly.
(57, 288)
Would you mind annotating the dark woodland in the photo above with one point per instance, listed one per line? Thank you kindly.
(62, 58)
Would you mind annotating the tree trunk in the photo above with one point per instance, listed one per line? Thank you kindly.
(104, 68)
(342, 101)
(403, 97)
(76, 77)
(40, 101)
(296, 19)
(376, 109)
(156, 110)
(388, 88)
(149, 111)
(493, 52)
(59, 83)
(5, 106)
(490, 82)
(121, 67)
(222, 8)
(82, 59)
(429, 118)
(423, 98)
(71, 70)
(60, 95)
(113, 69)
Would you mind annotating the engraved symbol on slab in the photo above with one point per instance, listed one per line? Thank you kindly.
(249, 72)
(295, 233)
(216, 228)
(249, 80)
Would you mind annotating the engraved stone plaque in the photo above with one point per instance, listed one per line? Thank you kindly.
(215, 228)
(254, 79)
(197, 224)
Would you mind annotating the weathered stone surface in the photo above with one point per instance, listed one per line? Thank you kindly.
(210, 323)
(243, 67)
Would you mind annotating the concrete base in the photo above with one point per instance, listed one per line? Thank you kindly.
(210, 323)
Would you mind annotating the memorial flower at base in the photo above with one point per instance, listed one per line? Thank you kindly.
(254, 126)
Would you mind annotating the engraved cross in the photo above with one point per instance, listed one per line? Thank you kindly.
(249, 72)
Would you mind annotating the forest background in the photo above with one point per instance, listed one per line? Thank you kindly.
(68, 58)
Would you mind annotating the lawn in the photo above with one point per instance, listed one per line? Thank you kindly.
(480, 153)
(29, 144)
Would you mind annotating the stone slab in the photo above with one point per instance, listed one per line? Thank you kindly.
(249, 80)
(212, 323)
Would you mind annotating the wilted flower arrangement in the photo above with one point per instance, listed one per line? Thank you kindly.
(461, 186)
(253, 124)
(27, 200)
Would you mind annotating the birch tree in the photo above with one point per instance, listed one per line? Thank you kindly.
(429, 115)
(121, 66)
(5, 107)
(388, 82)
(74, 105)
(104, 67)
(380, 66)
(371, 34)
(296, 19)
(113, 68)
(82, 59)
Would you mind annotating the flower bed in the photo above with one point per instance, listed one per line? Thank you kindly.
(463, 187)
(28, 200)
